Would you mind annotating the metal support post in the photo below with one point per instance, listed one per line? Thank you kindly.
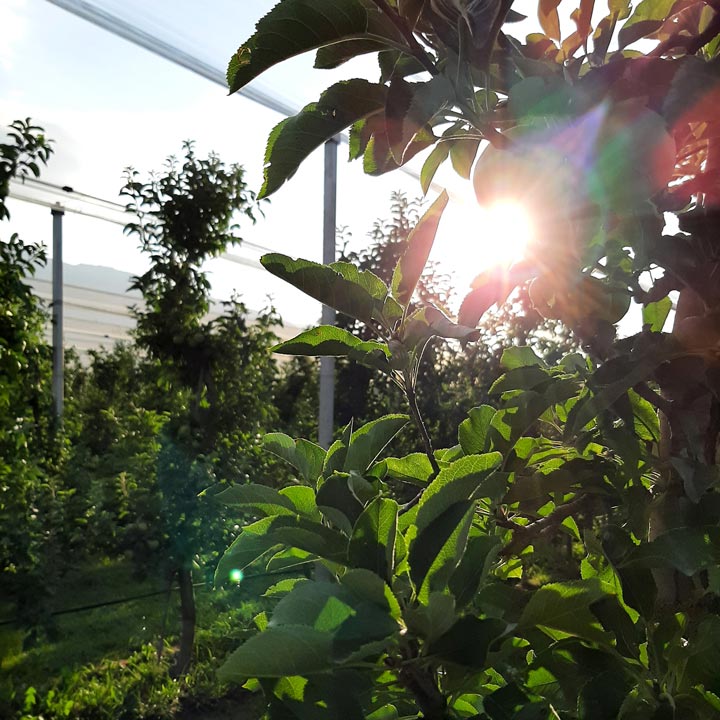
(58, 371)
(327, 364)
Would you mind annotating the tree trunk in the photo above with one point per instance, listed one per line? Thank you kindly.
(187, 617)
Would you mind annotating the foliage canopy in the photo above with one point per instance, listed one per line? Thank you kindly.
(433, 606)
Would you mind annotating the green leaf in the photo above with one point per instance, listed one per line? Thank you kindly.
(372, 545)
(410, 107)
(687, 549)
(369, 441)
(615, 619)
(352, 292)
(630, 372)
(279, 652)
(294, 138)
(332, 56)
(411, 10)
(412, 263)
(602, 697)
(439, 547)
(302, 497)
(522, 356)
(328, 340)
(414, 468)
(467, 642)
(372, 588)
(647, 423)
(337, 452)
(462, 155)
(261, 498)
(325, 340)
(335, 496)
(303, 455)
(473, 432)
(654, 314)
(429, 322)
(471, 477)
(334, 608)
(297, 532)
(565, 607)
(481, 553)
(320, 605)
(293, 27)
(396, 64)
(517, 417)
(377, 158)
(697, 478)
(648, 17)
(521, 378)
(434, 160)
(433, 619)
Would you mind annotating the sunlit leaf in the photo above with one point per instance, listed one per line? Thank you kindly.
(420, 241)
(434, 160)
(280, 651)
(368, 441)
(655, 314)
(648, 16)
(471, 477)
(305, 456)
(439, 547)
(260, 498)
(549, 19)
(473, 432)
(298, 532)
(372, 545)
(565, 606)
(351, 293)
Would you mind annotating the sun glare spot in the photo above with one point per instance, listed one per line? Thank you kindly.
(473, 238)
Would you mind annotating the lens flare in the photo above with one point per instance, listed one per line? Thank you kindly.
(472, 239)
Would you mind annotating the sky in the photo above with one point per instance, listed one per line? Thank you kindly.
(109, 104)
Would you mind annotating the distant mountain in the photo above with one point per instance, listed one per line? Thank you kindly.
(93, 277)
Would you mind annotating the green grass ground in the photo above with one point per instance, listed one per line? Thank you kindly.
(104, 638)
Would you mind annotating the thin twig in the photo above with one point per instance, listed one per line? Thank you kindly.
(417, 418)
(691, 44)
(414, 46)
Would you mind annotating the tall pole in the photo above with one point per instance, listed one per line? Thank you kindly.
(58, 372)
(327, 364)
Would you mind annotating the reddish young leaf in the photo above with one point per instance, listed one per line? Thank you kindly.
(549, 19)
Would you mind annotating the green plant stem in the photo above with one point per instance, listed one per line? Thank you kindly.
(417, 419)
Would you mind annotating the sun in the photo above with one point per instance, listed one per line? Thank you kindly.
(472, 238)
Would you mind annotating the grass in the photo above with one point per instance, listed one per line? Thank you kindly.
(97, 648)
(89, 636)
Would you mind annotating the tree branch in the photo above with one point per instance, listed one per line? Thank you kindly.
(654, 398)
(523, 535)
